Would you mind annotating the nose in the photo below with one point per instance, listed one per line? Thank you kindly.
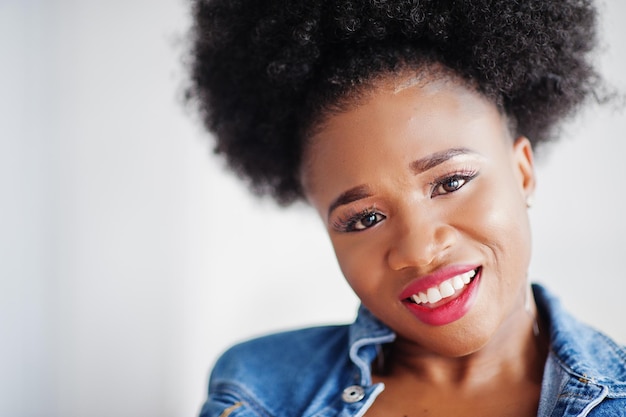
(420, 241)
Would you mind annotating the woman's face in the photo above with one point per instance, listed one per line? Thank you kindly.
(423, 193)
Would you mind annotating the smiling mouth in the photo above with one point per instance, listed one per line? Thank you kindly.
(447, 289)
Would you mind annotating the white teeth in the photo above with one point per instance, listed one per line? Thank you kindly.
(444, 290)
(457, 283)
(433, 295)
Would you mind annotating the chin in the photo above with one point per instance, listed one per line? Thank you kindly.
(459, 339)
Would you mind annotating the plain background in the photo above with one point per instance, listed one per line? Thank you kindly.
(129, 259)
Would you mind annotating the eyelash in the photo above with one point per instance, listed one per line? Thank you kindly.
(464, 175)
(348, 222)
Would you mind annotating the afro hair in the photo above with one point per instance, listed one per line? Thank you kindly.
(262, 71)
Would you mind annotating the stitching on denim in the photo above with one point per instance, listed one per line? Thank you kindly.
(242, 394)
(230, 409)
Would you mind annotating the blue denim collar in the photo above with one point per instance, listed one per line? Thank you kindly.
(367, 335)
(581, 351)
(326, 371)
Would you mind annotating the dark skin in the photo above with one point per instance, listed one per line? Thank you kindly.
(450, 387)
(434, 183)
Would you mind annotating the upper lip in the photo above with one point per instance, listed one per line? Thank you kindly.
(422, 284)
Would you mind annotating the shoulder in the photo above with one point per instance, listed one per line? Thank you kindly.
(283, 352)
(280, 371)
(581, 349)
(589, 352)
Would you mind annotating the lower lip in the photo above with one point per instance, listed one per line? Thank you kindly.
(449, 312)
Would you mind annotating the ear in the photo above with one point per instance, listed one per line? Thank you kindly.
(524, 166)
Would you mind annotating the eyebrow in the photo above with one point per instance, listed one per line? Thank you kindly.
(437, 158)
(353, 194)
(421, 165)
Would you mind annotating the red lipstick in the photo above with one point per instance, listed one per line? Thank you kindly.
(450, 308)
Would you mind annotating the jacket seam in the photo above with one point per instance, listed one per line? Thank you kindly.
(242, 395)
(600, 381)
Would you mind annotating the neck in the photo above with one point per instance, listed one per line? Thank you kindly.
(517, 351)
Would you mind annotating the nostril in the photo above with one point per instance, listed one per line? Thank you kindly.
(405, 254)
(417, 252)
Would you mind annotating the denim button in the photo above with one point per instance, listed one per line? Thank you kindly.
(353, 394)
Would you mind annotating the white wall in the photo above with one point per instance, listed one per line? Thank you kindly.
(129, 259)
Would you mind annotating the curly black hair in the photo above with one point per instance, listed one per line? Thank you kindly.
(263, 71)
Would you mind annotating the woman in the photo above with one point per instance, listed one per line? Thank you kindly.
(409, 126)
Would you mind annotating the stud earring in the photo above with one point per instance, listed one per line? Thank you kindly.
(530, 200)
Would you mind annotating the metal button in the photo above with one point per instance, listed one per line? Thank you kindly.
(353, 394)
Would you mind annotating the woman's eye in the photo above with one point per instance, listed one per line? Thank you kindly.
(358, 221)
(451, 184)
(367, 220)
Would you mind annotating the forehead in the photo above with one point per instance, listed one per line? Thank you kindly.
(427, 79)
(396, 119)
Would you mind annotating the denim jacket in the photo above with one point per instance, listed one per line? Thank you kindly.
(326, 371)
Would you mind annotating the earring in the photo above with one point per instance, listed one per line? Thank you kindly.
(530, 200)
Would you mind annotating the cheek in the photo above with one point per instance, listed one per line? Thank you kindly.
(361, 263)
(500, 217)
